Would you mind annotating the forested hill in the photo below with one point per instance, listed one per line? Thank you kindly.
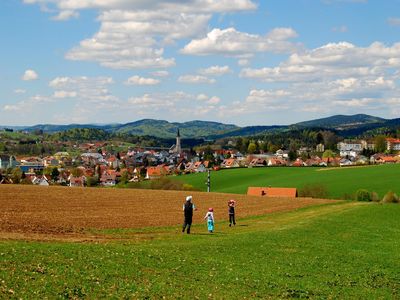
(346, 126)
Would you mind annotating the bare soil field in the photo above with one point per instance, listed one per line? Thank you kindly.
(62, 210)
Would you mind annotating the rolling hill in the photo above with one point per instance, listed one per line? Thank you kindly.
(345, 125)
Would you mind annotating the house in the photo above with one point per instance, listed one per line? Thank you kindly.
(282, 154)
(272, 162)
(304, 150)
(51, 162)
(31, 165)
(320, 148)
(298, 163)
(113, 161)
(199, 167)
(354, 147)
(77, 181)
(7, 161)
(230, 163)
(314, 161)
(5, 180)
(393, 144)
(272, 192)
(386, 159)
(258, 162)
(40, 180)
(108, 179)
(155, 172)
(345, 162)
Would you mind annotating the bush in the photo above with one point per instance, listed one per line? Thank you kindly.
(375, 197)
(390, 197)
(363, 195)
(314, 191)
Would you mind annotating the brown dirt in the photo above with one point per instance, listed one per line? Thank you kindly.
(29, 211)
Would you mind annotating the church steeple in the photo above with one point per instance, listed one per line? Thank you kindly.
(178, 142)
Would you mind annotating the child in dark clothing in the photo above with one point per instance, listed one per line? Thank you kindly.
(231, 212)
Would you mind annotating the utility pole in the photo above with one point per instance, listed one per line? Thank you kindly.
(208, 181)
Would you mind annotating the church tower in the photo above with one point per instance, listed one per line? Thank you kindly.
(178, 148)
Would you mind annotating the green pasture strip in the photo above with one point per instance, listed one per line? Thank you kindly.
(340, 182)
(262, 222)
(342, 251)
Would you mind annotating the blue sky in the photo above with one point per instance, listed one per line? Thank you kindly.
(244, 62)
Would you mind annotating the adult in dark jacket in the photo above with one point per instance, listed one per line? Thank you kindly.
(188, 209)
(231, 212)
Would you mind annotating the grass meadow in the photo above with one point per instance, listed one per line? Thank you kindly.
(344, 250)
(341, 183)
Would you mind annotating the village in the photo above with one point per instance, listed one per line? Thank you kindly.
(97, 167)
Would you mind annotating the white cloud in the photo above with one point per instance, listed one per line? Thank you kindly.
(202, 97)
(355, 102)
(215, 70)
(134, 33)
(10, 107)
(330, 61)
(30, 75)
(195, 79)
(65, 15)
(19, 91)
(266, 96)
(393, 21)
(342, 28)
(64, 94)
(230, 42)
(243, 62)
(86, 89)
(136, 80)
(161, 73)
(209, 100)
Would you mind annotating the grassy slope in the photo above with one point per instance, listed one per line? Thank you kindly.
(345, 250)
(338, 181)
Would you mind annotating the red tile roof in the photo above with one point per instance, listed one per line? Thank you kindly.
(272, 192)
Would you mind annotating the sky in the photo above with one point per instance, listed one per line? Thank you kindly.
(243, 62)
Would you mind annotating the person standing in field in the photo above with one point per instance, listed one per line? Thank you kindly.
(210, 219)
(188, 208)
(231, 212)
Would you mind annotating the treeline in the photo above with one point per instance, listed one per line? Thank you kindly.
(292, 139)
(40, 144)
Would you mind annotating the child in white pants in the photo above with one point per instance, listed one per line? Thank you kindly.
(210, 219)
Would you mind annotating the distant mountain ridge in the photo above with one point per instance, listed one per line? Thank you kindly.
(342, 121)
(346, 125)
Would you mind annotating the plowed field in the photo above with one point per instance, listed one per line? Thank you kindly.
(63, 210)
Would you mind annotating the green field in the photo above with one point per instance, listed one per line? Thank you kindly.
(339, 182)
(343, 250)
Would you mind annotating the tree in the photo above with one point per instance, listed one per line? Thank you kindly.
(54, 174)
(252, 148)
(76, 172)
(292, 155)
(208, 153)
(16, 175)
(91, 181)
(380, 143)
(124, 177)
(328, 154)
(239, 143)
